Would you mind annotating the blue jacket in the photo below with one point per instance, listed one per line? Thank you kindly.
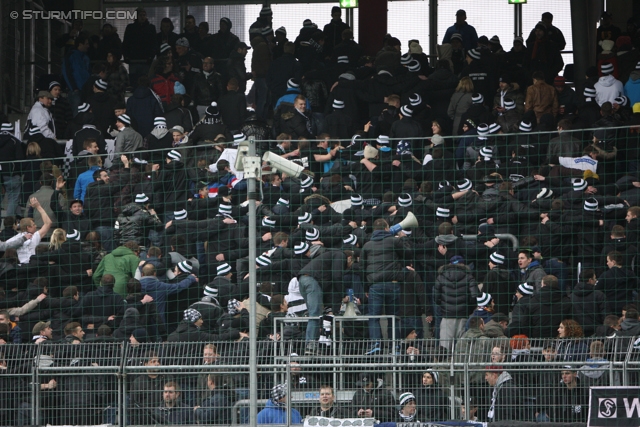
(290, 96)
(84, 179)
(468, 33)
(272, 414)
(160, 290)
(75, 69)
(632, 88)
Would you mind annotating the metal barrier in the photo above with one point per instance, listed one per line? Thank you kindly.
(122, 384)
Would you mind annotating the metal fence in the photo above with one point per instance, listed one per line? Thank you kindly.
(104, 382)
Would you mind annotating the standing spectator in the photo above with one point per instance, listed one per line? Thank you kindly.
(73, 218)
(128, 140)
(498, 283)
(333, 30)
(102, 106)
(139, 45)
(260, 63)
(117, 76)
(431, 400)
(608, 88)
(110, 42)
(190, 30)
(456, 293)
(281, 70)
(606, 30)
(160, 291)
(207, 86)
(589, 307)
(460, 102)
(553, 33)
(122, 264)
(40, 118)
(541, 98)
(632, 86)
(544, 55)
(233, 105)
(468, 33)
(166, 33)
(136, 220)
(505, 404)
(617, 283)
(60, 109)
(164, 82)
(30, 232)
(275, 410)
(189, 62)
(11, 150)
(75, 70)
(144, 106)
(224, 41)
(236, 67)
(102, 306)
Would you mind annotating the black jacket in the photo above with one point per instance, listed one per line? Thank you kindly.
(541, 315)
(134, 224)
(233, 109)
(188, 332)
(617, 284)
(173, 185)
(384, 257)
(432, 404)
(88, 131)
(206, 89)
(103, 106)
(589, 307)
(67, 220)
(329, 269)
(99, 200)
(98, 305)
(380, 400)
(455, 291)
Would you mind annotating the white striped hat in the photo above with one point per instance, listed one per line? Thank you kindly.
(464, 185)
(83, 108)
(263, 260)
(124, 119)
(266, 11)
(477, 98)
(356, 200)
(525, 127)
(589, 92)
(405, 59)
(34, 130)
(414, 66)
(306, 182)
(351, 239)
(293, 83)
(590, 204)
(483, 130)
(180, 215)
(266, 30)
(101, 84)
(494, 128)
(475, 54)
(579, 184)
(343, 59)
(312, 234)
(509, 104)
(6, 127)
(484, 300)
(224, 209)
(268, 222)
(382, 140)
(185, 266)
(338, 104)
(305, 218)
(142, 198)
(140, 161)
(497, 258)
(238, 138)
(545, 193)
(54, 84)
(406, 397)
(301, 248)
(283, 202)
(606, 68)
(74, 235)
(443, 212)
(406, 111)
(405, 200)
(456, 36)
(525, 289)
(282, 30)
(223, 269)
(160, 122)
(443, 184)
(638, 65)
(210, 291)
(486, 152)
(174, 155)
(212, 110)
(164, 47)
(415, 100)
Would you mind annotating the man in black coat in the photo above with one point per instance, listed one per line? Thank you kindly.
(333, 30)
(281, 70)
(540, 317)
(321, 282)
(617, 283)
(102, 106)
(589, 307)
(102, 305)
(233, 105)
(407, 127)
(207, 86)
(72, 219)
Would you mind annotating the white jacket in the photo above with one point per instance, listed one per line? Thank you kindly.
(41, 117)
(608, 88)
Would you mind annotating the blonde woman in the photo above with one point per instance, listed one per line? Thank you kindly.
(460, 102)
(58, 237)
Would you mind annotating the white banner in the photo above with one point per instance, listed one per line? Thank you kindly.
(338, 422)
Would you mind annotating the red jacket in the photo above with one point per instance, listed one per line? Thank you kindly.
(164, 87)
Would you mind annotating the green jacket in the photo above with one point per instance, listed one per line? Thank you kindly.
(122, 263)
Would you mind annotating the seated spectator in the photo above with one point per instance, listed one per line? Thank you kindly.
(504, 404)
(217, 406)
(370, 401)
(172, 410)
(275, 410)
(407, 404)
(328, 407)
(146, 390)
(594, 371)
(570, 347)
(189, 330)
(572, 399)
(432, 404)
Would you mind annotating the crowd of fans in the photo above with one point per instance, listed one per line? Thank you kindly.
(489, 144)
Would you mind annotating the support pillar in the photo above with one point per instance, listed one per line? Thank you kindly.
(372, 25)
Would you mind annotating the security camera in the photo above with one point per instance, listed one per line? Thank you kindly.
(282, 164)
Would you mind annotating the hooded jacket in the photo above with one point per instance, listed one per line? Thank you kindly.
(608, 89)
(432, 403)
(98, 305)
(504, 403)
(455, 291)
(131, 321)
(533, 275)
(143, 107)
(632, 87)
(134, 224)
(589, 307)
(122, 264)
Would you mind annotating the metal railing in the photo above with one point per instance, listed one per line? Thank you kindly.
(121, 384)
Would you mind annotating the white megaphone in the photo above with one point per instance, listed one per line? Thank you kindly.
(409, 221)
